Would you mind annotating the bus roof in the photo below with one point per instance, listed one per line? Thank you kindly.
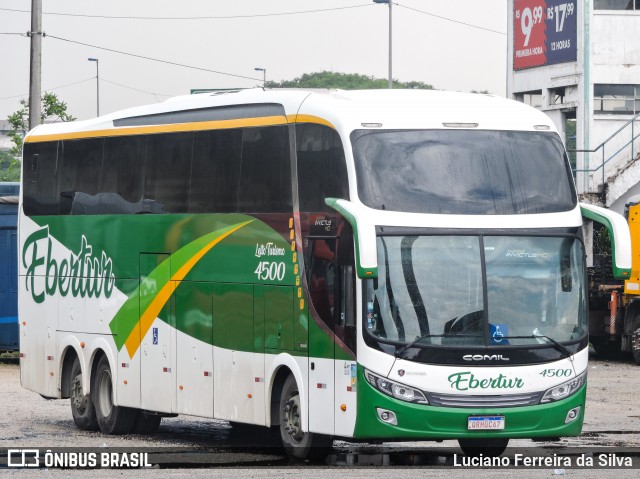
(345, 110)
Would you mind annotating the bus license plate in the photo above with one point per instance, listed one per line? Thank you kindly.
(484, 423)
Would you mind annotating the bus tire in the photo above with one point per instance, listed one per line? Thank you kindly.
(82, 408)
(111, 419)
(299, 444)
(146, 423)
(487, 447)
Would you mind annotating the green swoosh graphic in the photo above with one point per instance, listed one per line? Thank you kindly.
(142, 309)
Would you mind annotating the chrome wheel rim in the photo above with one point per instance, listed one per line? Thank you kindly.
(292, 418)
(104, 394)
(79, 400)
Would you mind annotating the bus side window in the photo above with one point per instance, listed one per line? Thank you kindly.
(41, 189)
(322, 171)
(80, 174)
(322, 278)
(331, 279)
(265, 171)
(123, 172)
(345, 327)
(215, 171)
(168, 167)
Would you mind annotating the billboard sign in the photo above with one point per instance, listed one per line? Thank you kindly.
(544, 32)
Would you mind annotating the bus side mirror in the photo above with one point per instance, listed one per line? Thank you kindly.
(363, 224)
(620, 237)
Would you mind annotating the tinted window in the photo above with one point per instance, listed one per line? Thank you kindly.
(463, 172)
(215, 173)
(238, 170)
(80, 173)
(322, 172)
(167, 172)
(123, 174)
(265, 171)
(41, 179)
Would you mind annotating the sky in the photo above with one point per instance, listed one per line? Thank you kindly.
(451, 44)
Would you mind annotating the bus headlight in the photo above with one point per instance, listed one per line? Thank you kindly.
(564, 390)
(394, 389)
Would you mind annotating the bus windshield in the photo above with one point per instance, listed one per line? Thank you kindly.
(436, 288)
(462, 171)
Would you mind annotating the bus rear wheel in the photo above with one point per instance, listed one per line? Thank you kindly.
(82, 408)
(299, 444)
(111, 419)
(486, 447)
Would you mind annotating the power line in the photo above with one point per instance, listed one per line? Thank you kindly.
(153, 59)
(49, 89)
(229, 17)
(135, 89)
(450, 19)
(226, 17)
(92, 79)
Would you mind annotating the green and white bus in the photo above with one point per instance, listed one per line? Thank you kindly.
(374, 265)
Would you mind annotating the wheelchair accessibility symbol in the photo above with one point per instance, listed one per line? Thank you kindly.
(499, 332)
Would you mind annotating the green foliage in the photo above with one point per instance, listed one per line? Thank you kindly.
(9, 167)
(52, 109)
(602, 240)
(344, 81)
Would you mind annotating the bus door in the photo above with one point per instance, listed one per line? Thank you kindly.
(156, 378)
(345, 334)
(320, 274)
(330, 278)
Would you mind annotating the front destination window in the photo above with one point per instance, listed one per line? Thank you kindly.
(466, 172)
(477, 292)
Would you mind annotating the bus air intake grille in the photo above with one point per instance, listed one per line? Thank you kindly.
(511, 400)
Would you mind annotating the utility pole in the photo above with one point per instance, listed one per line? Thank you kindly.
(97, 85)
(390, 44)
(390, 3)
(35, 77)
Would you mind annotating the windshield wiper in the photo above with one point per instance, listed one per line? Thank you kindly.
(413, 343)
(553, 342)
(425, 336)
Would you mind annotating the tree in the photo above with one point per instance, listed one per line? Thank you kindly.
(345, 81)
(9, 167)
(52, 109)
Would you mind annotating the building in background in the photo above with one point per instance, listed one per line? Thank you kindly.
(579, 62)
(5, 141)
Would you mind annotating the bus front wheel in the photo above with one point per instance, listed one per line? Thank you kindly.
(82, 408)
(299, 444)
(111, 419)
(486, 447)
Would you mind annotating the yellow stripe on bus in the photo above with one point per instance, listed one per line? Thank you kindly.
(180, 127)
(153, 310)
(309, 119)
(170, 128)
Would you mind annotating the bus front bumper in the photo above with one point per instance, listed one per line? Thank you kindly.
(418, 421)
